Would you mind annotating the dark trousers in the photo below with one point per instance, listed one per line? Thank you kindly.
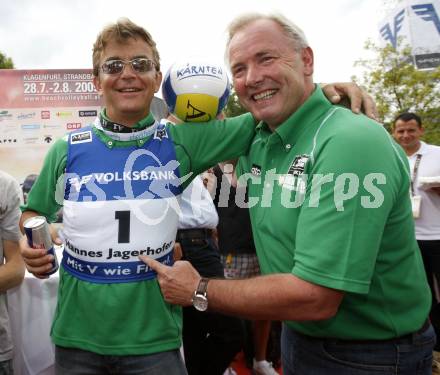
(6, 367)
(409, 355)
(71, 361)
(430, 250)
(210, 340)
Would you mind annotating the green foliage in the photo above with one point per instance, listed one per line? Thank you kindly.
(397, 86)
(233, 107)
(6, 62)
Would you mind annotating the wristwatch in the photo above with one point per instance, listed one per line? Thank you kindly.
(200, 298)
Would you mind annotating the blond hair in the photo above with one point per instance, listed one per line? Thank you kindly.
(120, 31)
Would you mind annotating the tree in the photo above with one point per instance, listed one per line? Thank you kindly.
(233, 107)
(6, 62)
(397, 86)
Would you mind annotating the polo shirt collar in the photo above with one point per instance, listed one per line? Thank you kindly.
(291, 129)
(142, 124)
(423, 148)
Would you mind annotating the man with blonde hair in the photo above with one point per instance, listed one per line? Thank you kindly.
(122, 184)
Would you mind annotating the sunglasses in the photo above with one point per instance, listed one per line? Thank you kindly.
(139, 65)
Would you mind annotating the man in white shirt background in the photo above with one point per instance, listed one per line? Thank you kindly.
(424, 160)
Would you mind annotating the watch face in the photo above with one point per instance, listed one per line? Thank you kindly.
(200, 302)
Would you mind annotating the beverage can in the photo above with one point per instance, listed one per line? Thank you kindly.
(38, 236)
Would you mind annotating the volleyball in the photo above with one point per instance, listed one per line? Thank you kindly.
(196, 90)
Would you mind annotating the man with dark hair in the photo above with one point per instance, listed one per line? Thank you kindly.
(424, 161)
(407, 130)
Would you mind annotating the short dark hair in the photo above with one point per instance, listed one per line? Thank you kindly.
(408, 116)
(28, 182)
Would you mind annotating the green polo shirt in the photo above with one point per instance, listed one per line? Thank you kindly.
(130, 318)
(330, 204)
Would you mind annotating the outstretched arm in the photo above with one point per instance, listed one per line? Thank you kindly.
(276, 297)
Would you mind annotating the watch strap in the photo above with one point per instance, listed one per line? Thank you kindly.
(203, 286)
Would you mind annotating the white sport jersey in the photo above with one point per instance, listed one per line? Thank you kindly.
(119, 203)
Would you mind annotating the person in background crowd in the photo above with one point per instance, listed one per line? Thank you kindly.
(331, 219)
(210, 340)
(424, 161)
(27, 184)
(26, 187)
(11, 264)
(239, 256)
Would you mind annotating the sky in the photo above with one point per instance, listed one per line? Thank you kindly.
(59, 34)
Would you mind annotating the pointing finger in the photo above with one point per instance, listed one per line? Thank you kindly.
(153, 264)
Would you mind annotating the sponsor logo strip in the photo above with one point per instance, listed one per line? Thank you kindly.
(106, 273)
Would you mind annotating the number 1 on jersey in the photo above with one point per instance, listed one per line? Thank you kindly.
(124, 226)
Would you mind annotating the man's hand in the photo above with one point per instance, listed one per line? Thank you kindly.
(37, 261)
(177, 283)
(210, 181)
(354, 97)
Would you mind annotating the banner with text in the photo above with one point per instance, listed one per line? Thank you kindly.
(36, 108)
(417, 22)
